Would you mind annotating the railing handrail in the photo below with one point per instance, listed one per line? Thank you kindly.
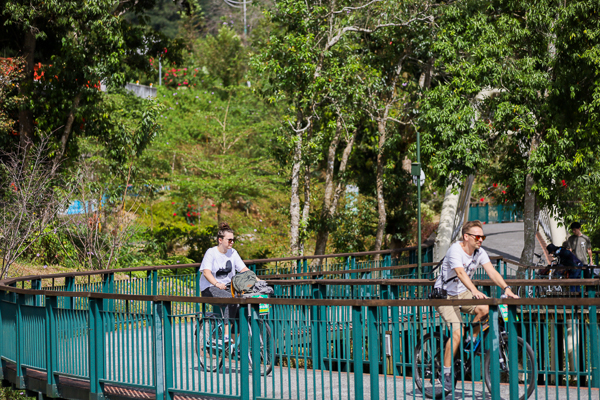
(9, 281)
(572, 301)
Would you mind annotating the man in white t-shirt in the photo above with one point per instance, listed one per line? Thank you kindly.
(457, 269)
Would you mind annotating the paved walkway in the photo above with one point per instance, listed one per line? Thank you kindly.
(506, 240)
(291, 383)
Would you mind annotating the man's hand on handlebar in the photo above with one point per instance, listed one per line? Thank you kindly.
(509, 293)
(478, 295)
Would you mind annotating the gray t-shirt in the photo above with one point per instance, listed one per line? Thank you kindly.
(223, 266)
(457, 258)
(580, 245)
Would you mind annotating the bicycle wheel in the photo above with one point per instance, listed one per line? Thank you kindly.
(529, 292)
(428, 365)
(267, 348)
(209, 344)
(527, 367)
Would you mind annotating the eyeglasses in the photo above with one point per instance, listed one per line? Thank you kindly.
(477, 237)
(229, 240)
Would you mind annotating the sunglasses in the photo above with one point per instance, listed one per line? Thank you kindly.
(229, 240)
(477, 237)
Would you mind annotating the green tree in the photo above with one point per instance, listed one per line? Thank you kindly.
(309, 62)
(75, 48)
(510, 100)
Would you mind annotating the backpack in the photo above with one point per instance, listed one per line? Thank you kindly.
(244, 282)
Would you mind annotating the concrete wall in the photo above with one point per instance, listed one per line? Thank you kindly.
(142, 91)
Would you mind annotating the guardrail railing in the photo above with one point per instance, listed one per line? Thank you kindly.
(102, 342)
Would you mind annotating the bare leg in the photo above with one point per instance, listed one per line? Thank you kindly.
(452, 346)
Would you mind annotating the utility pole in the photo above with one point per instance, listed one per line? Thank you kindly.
(416, 173)
(240, 4)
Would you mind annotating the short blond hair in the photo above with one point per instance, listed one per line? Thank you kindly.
(466, 227)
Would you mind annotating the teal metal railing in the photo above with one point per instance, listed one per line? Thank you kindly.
(490, 214)
(334, 338)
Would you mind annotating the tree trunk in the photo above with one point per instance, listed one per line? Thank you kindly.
(305, 209)
(530, 221)
(68, 129)
(326, 211)
(295, 195)
(25, 90)
(219, 208)
(382, 216)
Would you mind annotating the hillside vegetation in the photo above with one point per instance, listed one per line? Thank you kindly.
(299, 133)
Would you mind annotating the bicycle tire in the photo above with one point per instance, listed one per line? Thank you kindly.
(209, 331)
(267, 350)
(428, 365)
(530, 373)
(529, 292)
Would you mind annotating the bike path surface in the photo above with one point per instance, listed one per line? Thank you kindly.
(506, 240)
(291, 383)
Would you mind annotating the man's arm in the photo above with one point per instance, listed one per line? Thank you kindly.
(464, 278)
(498, 280)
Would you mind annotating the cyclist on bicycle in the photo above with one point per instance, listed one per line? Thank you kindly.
(218, 267)
(457, 269)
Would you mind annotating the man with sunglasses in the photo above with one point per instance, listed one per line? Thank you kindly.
(457, 269)
(219, 265)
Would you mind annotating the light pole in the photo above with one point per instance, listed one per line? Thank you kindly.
(416, 173)
(240, 4)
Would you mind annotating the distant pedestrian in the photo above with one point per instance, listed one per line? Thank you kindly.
(580, 244)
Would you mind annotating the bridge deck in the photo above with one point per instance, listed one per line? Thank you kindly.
(322, 385)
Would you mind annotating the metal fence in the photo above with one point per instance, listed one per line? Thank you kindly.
(490, 214)
(321, 339)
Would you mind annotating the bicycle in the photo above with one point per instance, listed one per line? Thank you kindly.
(216, 353)
(549, 273)
(428, 361)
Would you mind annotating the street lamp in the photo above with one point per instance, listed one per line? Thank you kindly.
(240, 4)
(419, 179)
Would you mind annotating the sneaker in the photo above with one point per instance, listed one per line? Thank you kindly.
(220, 341)
(448, 383)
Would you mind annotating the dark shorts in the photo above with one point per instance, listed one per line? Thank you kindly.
(227, 312)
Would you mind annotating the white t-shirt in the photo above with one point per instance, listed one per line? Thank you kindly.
(223, 266)
(457, 258)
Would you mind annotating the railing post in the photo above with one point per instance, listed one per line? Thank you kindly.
(108, 286)
(148, 291)
(594, 341)
(245, 368)
(97, 348)
(168, 346)
(2, 297)
(255, 345)
(393, 293)
(374, 346)
(159, 347)
(513, 354)
(494, 346)
(197, 291)
(20, 383)
(69, 287)
(36, 284)
(51, 346)
(358, 319)
(316, 328)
